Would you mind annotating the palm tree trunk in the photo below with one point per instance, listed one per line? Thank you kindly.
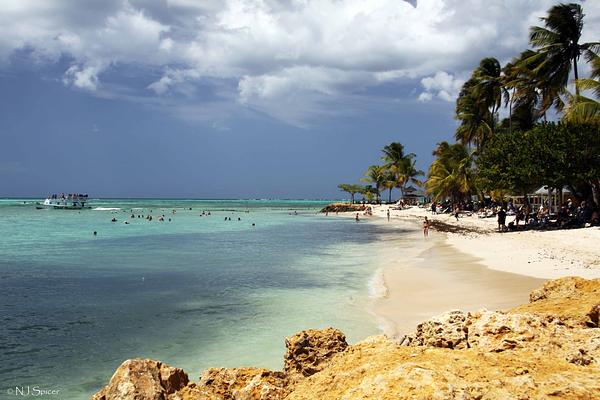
(510, 104)
(576, 76)
(596, 191)
(390, 196)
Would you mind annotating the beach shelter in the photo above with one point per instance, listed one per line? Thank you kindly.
(413, 195)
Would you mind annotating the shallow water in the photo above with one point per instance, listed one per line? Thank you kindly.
(195, 292)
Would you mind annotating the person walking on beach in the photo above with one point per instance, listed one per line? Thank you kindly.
(426, 227)
(388, 214)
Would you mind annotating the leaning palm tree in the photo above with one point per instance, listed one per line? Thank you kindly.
(557, 44)
(451, 174)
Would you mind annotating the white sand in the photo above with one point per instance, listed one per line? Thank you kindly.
(540, 254)
(422, 277)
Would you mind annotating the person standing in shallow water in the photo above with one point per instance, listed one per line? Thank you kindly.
(356, 218)
(425, 227)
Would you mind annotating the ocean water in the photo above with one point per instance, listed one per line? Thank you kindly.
(195, 292)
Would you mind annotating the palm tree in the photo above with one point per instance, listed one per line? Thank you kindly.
(369, 193)
(389, 183)
(489, 87)
(582, 109)
(557, 44)
(478, 103)
(521, 93)
(400, 165)
(408, 173)
(474, 119)
(451, 174)
(350, 189)
(376, 175)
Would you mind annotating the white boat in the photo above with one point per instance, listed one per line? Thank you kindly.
(73, 201)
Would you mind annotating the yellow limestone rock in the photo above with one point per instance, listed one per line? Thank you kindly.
(547, 349)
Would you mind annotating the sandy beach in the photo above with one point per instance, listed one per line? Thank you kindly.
(475, 269)
(539, 254)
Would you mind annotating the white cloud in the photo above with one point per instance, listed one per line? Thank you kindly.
(442, 85)
(82, 77)
(298, 51)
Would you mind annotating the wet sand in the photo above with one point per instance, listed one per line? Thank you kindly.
(424, 277)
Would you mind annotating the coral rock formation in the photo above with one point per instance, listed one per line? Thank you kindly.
(549, 348)
(143, 380)
(308, 351)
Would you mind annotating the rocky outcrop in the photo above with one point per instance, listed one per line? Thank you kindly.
(236, 383)
(344, 207)
(594, 316)
(549, 348)
(557, 289)
(571, 299)
(447, 330)
(140, 379)
(309, 351)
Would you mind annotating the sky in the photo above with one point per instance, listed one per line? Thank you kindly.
(236, 98)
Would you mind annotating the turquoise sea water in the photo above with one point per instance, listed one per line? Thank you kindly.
(195, 292)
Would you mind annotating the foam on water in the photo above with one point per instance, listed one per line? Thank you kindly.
(377, 286)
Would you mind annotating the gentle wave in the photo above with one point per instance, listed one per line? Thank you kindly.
(106, 209)
(377, 287)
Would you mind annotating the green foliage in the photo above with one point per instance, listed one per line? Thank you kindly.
(400, 167)
(582, 109)
(550, 154)
(376, 174)
(451, 174)
(351, 189)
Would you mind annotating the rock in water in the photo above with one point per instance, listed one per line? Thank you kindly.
(308, 351)
(143, 379)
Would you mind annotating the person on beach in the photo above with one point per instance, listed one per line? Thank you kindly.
(501, 220)
(426, 227)
(356, 218)
(388, 215)
(456, 212)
